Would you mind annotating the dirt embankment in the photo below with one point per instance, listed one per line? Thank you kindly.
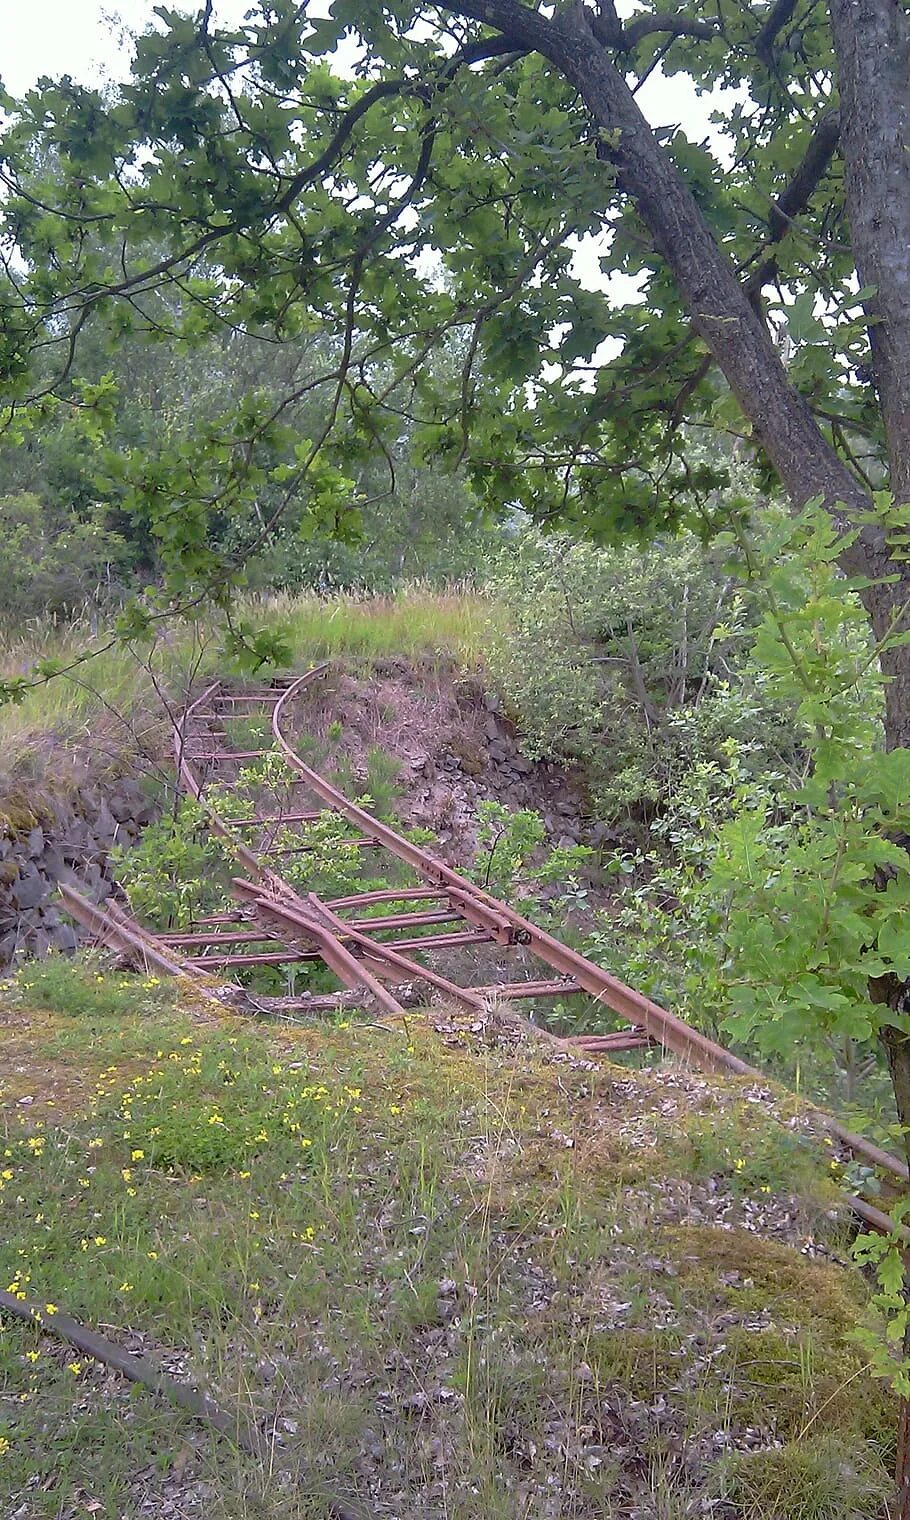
(440, 740)
(454, 746)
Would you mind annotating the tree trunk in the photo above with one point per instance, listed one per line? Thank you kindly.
(872, 42)
(720, 308)
(887, 607)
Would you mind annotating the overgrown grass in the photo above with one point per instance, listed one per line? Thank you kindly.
(421, 1268)
(116, 687)
(413, 622)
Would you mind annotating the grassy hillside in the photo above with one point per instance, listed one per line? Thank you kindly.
(446, 1275)
(115, 688)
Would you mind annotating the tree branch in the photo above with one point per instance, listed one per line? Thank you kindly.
(780, 13)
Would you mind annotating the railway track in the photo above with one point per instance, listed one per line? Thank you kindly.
(429, 932)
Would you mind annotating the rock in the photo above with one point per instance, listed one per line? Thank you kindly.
(522, 764)
(78, 840)
(120, 807)
(51, 863)
(35, 843)
(39, 944)
(105, 825)
(29, 891)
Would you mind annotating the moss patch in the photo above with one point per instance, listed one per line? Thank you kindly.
(416, 1265)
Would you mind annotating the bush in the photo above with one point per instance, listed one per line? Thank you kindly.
(54, 562)
(177, 870)
(630, 661)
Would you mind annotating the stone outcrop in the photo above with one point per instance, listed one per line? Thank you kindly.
(50, 838)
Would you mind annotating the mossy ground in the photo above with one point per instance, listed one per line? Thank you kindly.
(443, 1279)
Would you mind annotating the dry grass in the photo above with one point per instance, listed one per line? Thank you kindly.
(108, 690)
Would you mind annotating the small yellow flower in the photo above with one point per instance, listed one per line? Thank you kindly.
(32, 1356)
(126, 1287)
(394, 1108)
(152, 1255)
(100, 1240)
(74, 1367)
(137, 1155)
(4, 1446)
(126, 1174)
(51, 1309)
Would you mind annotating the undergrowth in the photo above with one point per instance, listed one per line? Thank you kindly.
(445, 1278)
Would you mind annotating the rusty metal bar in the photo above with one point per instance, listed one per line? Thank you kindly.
(223, 756)
(416, 942)
(664, 1027)
(120, 933)
(259, 823)
(242, 937)
(603, 1043)
(250, 937)
(517, 990)
(382, 955)
(279, 958)
(359, 841)
(336, 955)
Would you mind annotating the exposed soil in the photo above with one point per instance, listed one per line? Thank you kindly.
(455, 747)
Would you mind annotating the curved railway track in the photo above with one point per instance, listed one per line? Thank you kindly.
(430, 928)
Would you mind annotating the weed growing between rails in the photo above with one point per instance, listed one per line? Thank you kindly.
(372, 1243)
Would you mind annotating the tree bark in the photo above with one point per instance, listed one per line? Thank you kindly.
(872, 43)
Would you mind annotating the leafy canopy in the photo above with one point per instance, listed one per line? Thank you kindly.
(395, 183)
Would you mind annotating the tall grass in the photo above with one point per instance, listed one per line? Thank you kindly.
(414, 621)
(108, 688)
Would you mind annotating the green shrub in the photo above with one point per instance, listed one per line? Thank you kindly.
(630, 661)
(172, 874)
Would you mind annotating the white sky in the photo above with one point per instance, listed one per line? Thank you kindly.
(88, 39)
(84, 38)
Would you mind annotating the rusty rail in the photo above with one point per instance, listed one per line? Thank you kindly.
(306, 928)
